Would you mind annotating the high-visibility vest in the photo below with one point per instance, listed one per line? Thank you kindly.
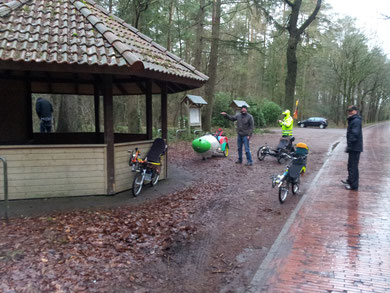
(287, 126)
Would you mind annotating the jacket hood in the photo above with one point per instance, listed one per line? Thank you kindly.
(286, 113)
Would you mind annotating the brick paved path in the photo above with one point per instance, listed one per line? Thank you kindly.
(337, 240)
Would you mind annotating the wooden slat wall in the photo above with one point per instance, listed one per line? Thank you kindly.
(53, 171)
(123, 175)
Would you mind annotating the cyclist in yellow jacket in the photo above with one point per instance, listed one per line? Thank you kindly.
(287, 124)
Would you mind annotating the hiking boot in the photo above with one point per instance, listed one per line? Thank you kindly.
(249, 164)
(238, 162)
(345, 182)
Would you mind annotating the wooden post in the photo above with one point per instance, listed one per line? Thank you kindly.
(164, 112)
(188, 105)
(149, 110)
(29, 109)
(97, 108)
(164, 121)
(200, 116)
(109, 132)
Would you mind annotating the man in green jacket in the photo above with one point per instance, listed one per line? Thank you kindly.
(287, 124)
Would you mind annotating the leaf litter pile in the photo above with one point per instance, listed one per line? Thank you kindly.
(95, 251)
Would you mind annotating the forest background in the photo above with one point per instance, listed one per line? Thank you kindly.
(241, 46)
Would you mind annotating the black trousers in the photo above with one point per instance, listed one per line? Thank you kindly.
(45, 125)
(353, 169)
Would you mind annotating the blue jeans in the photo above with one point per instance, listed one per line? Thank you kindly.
(244, 140)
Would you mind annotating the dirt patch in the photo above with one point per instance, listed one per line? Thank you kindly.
(209, 236)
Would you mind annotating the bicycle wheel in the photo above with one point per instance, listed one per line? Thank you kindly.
(226, 151)
(155, 177)
(295, 187)
(282, 158)
(137, 184)
(261, 153)
(283, 191)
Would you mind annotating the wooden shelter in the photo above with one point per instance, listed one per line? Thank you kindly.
(76, 47)
(194, 105)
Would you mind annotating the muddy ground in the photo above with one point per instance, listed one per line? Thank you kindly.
(207, 234)
(239, 223)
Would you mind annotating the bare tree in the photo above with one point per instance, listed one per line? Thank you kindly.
(295, 32)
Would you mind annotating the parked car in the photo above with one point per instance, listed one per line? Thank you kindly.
(314, 121)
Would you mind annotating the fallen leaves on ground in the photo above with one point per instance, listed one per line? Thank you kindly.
(94, 251)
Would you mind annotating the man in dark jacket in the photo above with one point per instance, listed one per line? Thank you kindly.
(354, 147)
(44, 111)
(244, 133)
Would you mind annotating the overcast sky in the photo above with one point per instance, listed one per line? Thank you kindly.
(369, 15)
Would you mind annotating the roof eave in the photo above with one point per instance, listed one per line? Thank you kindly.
(100, 70)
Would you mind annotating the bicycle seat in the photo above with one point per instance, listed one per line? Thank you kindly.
(156, 151)
(283, 143)
(294, 171)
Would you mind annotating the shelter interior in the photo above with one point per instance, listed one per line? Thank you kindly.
(107, 172)
(16, 104)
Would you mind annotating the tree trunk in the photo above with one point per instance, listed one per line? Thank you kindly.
(294, 38)
(212, 72)
(169, 37)
(64, 119)
(199, 41)
(138, 8)
(133, 121)
(179, 33)
(199, 35)
(303, 97)
(292, 68)
(137, 15)
(110, 6)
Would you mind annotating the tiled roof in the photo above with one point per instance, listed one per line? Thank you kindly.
(81, 32)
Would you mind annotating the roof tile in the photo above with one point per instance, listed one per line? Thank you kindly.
(72, 31)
